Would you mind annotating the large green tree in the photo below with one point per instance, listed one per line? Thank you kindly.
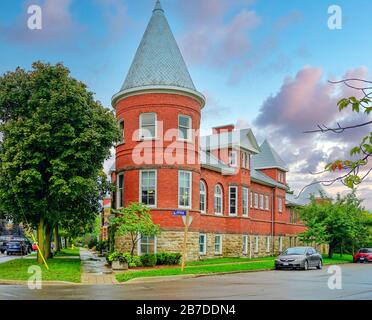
(336, 222)
(55, 139)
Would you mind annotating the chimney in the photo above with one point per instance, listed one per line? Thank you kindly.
(226, 128)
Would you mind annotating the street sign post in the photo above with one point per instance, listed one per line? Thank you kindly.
(186, 221)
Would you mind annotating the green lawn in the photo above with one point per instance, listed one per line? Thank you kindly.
(220, 265)
(337, 259)
(60, 270)
(68, 252)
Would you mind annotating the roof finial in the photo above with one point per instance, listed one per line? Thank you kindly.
(158, 6)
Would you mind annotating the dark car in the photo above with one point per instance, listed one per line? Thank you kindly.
(299, 258)
(17, 247)
(3, 245)
(363, 256)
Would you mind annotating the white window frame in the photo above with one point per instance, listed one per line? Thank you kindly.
(245, 244)
(268, 244)
(267, 202)
(262, 198)
(251, 199)
(189, 132)
(220, 197)
(256, 200)
(280, 205)
(141, 136)
(122, 131)
(204, 252)
(233, 155)
(189, 173)
(139, 243)
(256, 244)
(236, 200)
(247, 160)
(203, 194)
(245, 202)
(156, 188)
(120, 192)
(219, 252)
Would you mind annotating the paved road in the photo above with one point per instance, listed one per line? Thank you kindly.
(5, 258)
(272, 285)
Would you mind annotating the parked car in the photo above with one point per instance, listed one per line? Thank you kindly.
(34, 246)
(3, 244)
(299, 258)
(17, 247)
(364, 255)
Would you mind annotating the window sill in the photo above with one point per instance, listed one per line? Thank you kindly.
(187, 141)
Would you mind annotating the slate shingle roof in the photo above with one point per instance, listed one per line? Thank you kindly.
(268, 158)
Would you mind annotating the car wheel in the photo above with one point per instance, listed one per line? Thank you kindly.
(320, 265)
(306, 265)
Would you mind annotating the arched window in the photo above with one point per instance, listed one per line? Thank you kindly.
(203, 197)
(218, 196)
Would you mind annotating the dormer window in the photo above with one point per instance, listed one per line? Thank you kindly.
(148, 128)
(245, 160)
(233, 158)
(281, 176)
(184, 128)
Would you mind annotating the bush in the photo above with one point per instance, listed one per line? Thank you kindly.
(134, 261)
(117, 256)
(92, 243)
(102, 246)
(149, 260)
(168, 259)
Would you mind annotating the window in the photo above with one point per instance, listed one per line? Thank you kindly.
(280, 205)
(184, 189)
(281, 176)
(261, 201)
(233, 200)
(251, 199)
(203, 197)
(280, 244)
(247, 160)
(218, 244)
(218, 200)
(245, 244)
(291, 215)
(256, 244)
(148, 187)
(121, 127)
(202, 244)
(267, 204)
(245, 201)
(184, 128)
(146, 245)
(148, 126)
(294, 218)
(120, 192)
(256, 200)
(233, 158)
(268, 244)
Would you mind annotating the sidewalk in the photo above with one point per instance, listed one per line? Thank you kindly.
(94, 270)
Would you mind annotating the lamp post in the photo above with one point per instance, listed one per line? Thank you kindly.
(185, 197)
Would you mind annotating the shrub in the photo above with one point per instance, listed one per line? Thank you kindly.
(168, 258)
(148, 260)
(92, 243)
(102, 246)
(133, 261)
(117, 256)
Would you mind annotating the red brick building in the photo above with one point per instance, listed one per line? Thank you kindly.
(234, 189)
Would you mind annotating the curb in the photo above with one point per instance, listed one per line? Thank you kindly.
(44, 283)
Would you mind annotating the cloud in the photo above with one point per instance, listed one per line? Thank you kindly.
(303, 102)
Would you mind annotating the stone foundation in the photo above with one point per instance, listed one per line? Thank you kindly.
(232, 245)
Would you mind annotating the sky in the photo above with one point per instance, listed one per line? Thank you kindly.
(263, 64)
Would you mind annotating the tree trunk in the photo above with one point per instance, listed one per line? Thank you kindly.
(331, 249)
(57, 239)
(41, 240)
(48, 238)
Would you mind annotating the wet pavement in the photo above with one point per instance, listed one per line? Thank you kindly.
(271, 285)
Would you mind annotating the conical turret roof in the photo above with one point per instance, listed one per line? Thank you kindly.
(158, 63)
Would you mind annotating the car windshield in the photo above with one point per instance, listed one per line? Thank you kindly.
(369, 250)
(295, 251)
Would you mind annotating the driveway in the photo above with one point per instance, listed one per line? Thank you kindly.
(5, 258)
(271, 285)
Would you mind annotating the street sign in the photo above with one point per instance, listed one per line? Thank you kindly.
(180, 213)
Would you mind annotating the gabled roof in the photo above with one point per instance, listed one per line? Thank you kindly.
(268, 158)
(158, 63)
(209, 161)
(259, 177)
(233, 139)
